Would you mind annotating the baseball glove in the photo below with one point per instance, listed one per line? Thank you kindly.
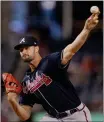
(11, 84)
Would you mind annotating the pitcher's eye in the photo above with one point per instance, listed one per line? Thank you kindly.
(21, 49)
(26, 47)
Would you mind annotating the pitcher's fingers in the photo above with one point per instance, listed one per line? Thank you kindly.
(95, 18)
(91, 17)
(10, 89)
(96, 21)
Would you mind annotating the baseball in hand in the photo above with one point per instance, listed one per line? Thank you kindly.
(94, 10)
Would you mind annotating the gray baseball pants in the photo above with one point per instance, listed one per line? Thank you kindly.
(82, 115)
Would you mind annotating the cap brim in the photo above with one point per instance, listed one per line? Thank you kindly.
(17, 47)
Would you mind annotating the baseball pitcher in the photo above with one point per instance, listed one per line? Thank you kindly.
(46, 81)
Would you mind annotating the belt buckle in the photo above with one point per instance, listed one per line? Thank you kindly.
(73, 111)
(61, 115)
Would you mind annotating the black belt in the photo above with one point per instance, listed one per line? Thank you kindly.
(64, 114)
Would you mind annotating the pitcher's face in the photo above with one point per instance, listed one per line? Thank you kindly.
(27, 53)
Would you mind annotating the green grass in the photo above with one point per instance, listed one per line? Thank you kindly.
(96, 117)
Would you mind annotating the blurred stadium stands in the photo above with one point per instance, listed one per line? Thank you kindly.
(55, 24)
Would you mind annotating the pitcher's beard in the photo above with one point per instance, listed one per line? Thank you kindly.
(27, 60)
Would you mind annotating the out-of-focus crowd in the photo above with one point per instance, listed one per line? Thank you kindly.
(86, 67)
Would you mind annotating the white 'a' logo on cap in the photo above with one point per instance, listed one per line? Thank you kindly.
(23, 40)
